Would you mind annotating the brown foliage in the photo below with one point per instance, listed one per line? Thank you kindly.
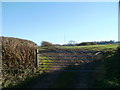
(18, 55)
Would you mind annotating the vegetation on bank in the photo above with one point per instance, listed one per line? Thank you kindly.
(18, 60)
(110, 76)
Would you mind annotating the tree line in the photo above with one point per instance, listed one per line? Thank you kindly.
(73, 43)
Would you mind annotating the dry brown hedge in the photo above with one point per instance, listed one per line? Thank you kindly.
(18, 60)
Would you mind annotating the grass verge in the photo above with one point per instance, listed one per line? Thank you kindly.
(110, 78)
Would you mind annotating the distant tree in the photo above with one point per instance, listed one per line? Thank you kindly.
(83, 44)
(93, 43)
(71, 42)
(56, 44)
(45, 43)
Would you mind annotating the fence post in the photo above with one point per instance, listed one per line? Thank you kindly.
(37, 58)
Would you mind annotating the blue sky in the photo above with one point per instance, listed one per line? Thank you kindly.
(60, 22)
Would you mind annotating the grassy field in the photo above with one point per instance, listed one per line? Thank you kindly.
(92, 47)
(45, 63)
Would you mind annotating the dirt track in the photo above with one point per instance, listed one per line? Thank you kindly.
(84, 76)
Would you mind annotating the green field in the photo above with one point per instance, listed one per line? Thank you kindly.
(45, 63)
(91, 47)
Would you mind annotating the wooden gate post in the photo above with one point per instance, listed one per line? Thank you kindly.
(37, 58)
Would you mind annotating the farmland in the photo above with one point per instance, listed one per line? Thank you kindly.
(91, 47)
(64, 66)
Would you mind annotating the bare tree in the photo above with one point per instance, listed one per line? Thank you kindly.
(71, 42)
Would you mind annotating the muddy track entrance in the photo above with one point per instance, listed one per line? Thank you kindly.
(67, 69)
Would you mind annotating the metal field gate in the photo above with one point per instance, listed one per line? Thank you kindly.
(67, 60)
